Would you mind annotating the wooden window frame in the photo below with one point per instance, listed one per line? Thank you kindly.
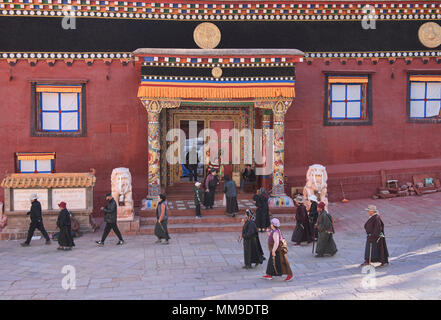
(36, 130)
(18, 169)
(366, 110)
(419, 120)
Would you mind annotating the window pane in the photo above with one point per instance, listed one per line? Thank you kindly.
(49, 101)
(354, 110)
(433, 90)
(338, 92)
(432, 108)
(417, 109)
(27, 165)
(44, 165)
(69, 101)
(50, 121)
(354, 92)
(338, 110)
(69, 121)
(417, 90)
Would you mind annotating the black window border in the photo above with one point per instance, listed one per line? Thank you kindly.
(341, 122)
(35, 116)
(416, 120)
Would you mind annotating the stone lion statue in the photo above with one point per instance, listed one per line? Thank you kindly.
(121, 180)
(316, 184)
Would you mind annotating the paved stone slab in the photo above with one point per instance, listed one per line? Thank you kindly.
(209, 265)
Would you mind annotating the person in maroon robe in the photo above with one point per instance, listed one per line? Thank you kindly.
(375, 249)
(302, 232)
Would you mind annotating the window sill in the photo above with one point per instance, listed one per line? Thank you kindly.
(348, 122)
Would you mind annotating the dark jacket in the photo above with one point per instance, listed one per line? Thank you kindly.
(198, 195)
(63, 219)
(110, 214)
(230, 188)
(35, 212)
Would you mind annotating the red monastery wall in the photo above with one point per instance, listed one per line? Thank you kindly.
(116, 122)
(117, 127)
(356, 154)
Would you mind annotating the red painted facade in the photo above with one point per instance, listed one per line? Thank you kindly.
(117, 126)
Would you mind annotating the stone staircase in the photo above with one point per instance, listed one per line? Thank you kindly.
(214, 220)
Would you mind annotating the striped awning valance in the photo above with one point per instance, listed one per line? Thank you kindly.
(348, 79)
(58, 88)
(425, 77)
(35, 155)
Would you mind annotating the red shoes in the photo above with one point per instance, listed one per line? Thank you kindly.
(288, 278)
(268, 277)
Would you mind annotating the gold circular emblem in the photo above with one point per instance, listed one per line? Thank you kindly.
(429, 34)
(216, 72)
(207, 35)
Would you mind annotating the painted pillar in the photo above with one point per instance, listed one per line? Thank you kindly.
(279, 198)
(154, 148)
(279, 149)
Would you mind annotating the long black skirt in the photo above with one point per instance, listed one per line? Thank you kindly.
(301, 233)
(326, 244)
(209, 198)
(232, 206)
(252, 251)
(65, 237)
(379, 251)
(161, 230)
(262, 218)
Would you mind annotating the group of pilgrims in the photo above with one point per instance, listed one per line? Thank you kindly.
(313, 225)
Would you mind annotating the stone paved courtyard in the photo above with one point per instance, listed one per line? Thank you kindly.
(209, 265)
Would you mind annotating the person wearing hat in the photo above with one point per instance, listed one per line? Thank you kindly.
(313, 215)
(65, 240)
(325, 228)
(302, 231)
(252, 250)
(36, 222)
(110, 217)
(197, 199)
(278, 262)
(376, 248)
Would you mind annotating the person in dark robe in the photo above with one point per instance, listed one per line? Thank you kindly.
(231, 196)
(262, 212)
(248, 177)
(161, 230)
(313, 215)
(252, 250)
(210, 189)
(65, 240)
(278, 262)
(302, 231)
(191, 163)
(325, 228)
(376, 248)
(36, 222)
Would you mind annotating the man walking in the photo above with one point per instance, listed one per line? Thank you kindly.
(325, 244)
(197, 199)
(376, 248)
(36, 222)
(110, 216)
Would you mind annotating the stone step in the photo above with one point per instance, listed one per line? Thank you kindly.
(205, 227)
(212, 212)
(218, 219)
